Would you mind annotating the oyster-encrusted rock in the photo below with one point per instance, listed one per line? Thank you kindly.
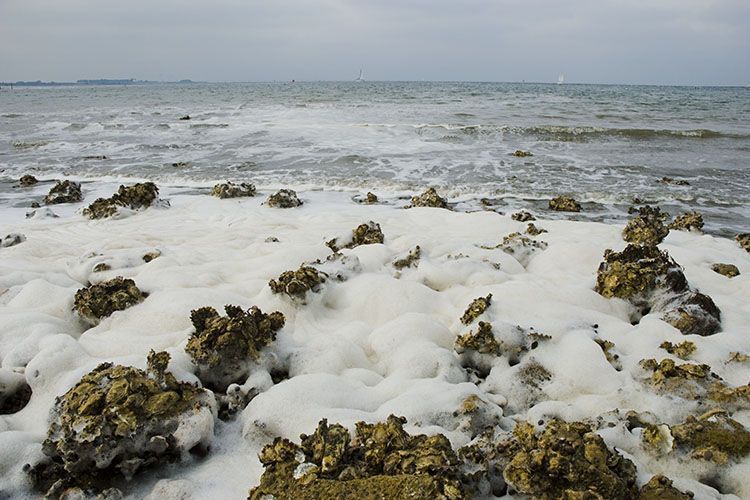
(95, 302)
(647, 228)
(566, 460)
(683, 350)
(284, 198)
(27, 180)
(231, 190)
(380, 461)
(411, 260)
(523, 216)
(728, 270)
(744, 240)
(64, 192)
(477, 307)
(532, 230)
(12, 239)
(135, 197)
(296, 283)
(118, 420)
(15, 392)
(364, 234)
(688, 221)
(224, 348)
(637, 271)
(429, 198)
(564, 204)
(660, 488)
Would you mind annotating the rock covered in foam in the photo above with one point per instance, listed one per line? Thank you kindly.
(297, 283)
(381, 460)
(95, 302)
(15, 392)
(231, 190)
(364, 234)
(564, 204)
(118, 420)
(410, 260)
(12, 239)
(135, 197)
(225, 348)
(429, 198)
(284, 198)
(647, 228)
(66, 191)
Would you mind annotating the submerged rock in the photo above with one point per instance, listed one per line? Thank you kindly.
(224, 348)
(564, 204)
(364, 234)
(64, 192)
(99, 301)
(744, 240)
(135, 197)
(284, 198)
(296, 283)
(477, 307)
(429, 198)
(231, 190)
(728, 270)
(380, 461)
(566, 460)
(12, 239)
(660, 488)
(118, 420)
(15, 392)
(688, 221)
(411, 260)
(647, 228)
(522, 154)
(522, 216)
(27, 181)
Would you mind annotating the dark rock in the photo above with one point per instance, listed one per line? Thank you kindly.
(64, 192)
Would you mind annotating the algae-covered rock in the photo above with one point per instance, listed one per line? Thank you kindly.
(12, 239)
(296, 283)
(429, 198)
(95, 302)
(660, 488)
(637, 271)
(477, 307)
(522, 216)
(411, 260)
(713, 436)
(135, 197)
(532, 230)
(284, 198)
(380, 461)
(564, 204)
(682, 350)
(27, 180)
(118, 420)
(744, 240)
(728, 270)
(647, 228)
(566, 461)
(231, 190)
(364, 234)
(64, 192)
(688, 221)
(15, 392)
(224, 348)
(519, 153)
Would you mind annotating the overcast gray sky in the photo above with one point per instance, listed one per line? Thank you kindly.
(700, 42)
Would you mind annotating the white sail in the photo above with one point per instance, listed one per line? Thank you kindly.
(360, 78)
(561, 79)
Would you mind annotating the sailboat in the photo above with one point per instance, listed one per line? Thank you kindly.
(360, 78)
(561, 79)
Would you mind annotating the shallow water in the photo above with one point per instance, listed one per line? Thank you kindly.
(603, 144)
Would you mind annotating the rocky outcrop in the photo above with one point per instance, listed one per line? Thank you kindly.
(429, 198)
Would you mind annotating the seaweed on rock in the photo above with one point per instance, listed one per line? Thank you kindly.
(231, 190)
(564, 204)
(225, 348)
(64, 192)
(95, 302)
(118, 420)
(296, 284)
(381, 460)
(284, 198)
(647, 228)
(429, 198)
(135, 197)
(364, 234)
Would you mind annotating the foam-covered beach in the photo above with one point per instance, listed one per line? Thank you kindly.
(599, 381)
